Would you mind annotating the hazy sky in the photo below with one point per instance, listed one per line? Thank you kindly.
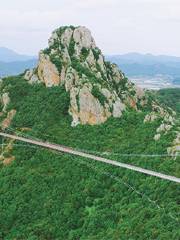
(118, 26)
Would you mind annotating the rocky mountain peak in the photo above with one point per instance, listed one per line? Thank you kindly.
(80, 36)
(98, 89)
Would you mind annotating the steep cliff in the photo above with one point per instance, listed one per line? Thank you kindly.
(98, 89)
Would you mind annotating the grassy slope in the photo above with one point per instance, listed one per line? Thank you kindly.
(45, 195)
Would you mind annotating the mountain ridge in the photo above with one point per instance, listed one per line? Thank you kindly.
(147, 64)
(133, 64)
(13, 63)
(139, 57)
(16, 67)
(7, 55)
(98, 89)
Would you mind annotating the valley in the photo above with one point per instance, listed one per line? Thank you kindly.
(154, 82)
(150, 71)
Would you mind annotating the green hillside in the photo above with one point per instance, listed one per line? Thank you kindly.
(170, 97)
(49, 195)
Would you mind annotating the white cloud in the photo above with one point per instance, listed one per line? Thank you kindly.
(87, 4)
(118, 25)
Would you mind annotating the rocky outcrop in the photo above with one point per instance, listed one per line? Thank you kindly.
(174, 150)
(7, 121)
(31, 76)
(168, 122)
(165, 116)
(5, 114)
(47, 71)
(91, 111)
(5, 100)
(6, 157)
(98, 89)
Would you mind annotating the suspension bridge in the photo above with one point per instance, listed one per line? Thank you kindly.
(72, 151)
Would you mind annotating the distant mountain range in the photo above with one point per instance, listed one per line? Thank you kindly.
(148, 65)
(141, 67)
(15, 68)
(148, 59)
(12, 63)
(8, 55)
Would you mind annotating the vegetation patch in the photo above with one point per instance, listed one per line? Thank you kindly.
(77, 65)
(71, 49)
(56, 60)
(97, 94)
(61, 30)
(82, 199)
(170, 97)
(85, 52)
(47, 51)
(78, 102)
(96, 52)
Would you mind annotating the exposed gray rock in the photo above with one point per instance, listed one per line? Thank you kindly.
(82, 37)
(74, 109)
(118, 108)
(157, 137)
(91, 111)
(7, 121)
(5, 99)
(90, 59)
(174, 150)
(31, 77)
(52, 39)
(66, 37)
(163, 128)
(116, 74)
(101, 63)
(97, 89)
(151, 117)
(47, 71)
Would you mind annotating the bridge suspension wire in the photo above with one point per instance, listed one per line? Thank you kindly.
(120, 154)
(128, 185)
(93, 157)
(143, 195)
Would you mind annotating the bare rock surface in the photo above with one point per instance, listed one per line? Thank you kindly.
(98, 89)
(7, 121)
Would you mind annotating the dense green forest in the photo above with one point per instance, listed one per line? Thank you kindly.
(170, 97)
(50, 195)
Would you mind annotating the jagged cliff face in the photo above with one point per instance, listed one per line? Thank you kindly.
(98, 89)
